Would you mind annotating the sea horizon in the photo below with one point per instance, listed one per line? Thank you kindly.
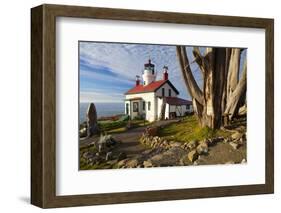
(103, 109)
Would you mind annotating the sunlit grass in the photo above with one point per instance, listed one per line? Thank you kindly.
(189, 129)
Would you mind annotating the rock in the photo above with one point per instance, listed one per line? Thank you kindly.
(132, 163)
(105, 143)
(176, 144)
(171, 157)
(234, 145)
(236, 136)
(152, 131)
(147, 164)
(192, 155)
(202, 148)
(214, 141)
(101, 147)
(92, 122)
(226, 140)
(192, 144)
(83, 132)
(195, 163)
(108, 156)
(112, 162)
(122, 156)
(121, 163)
(88, 155)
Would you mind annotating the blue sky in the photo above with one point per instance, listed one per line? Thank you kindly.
(108, 70)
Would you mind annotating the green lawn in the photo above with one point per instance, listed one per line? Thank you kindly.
(189, 129)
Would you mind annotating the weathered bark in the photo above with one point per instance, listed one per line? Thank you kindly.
(237, 98)
(227, 64)
(198, 110)
(222, 91)
(190, 82)
(233, 72)
(199, 59)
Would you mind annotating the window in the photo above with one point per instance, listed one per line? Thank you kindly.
(135, 106)
(143, 105)
(163, 92)
(127, 109)
(187, 107)
(149, 105)
(170, 92)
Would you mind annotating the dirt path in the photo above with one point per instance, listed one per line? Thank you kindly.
(129, 139)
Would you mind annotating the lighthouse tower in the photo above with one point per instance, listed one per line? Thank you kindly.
(149, 74)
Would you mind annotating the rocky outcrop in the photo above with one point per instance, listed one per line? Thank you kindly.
(170, 157)
(192, 155)
(92, 120)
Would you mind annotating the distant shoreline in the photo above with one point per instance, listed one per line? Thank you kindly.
(103, 110)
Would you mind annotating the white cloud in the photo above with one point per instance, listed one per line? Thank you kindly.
(127, 60)
(100, 97)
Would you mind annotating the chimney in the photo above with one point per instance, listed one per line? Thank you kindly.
(165, 73)
(137, 80)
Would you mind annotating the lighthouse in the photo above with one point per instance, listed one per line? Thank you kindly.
(149, 74)
(145, 100)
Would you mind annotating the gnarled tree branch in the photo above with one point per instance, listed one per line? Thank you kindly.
(190, 82)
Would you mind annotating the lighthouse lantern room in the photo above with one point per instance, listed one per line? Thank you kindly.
(149, 74)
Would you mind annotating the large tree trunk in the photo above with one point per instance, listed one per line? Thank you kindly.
(221, 93)
(238, 95)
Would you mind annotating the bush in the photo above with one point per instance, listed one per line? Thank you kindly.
(106, 126)
(139, 117)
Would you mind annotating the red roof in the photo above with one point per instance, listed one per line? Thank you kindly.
(150, 87)
(177, 101)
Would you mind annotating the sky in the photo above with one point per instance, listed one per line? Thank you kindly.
(108, 70)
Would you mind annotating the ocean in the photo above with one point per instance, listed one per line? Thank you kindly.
(103, 109)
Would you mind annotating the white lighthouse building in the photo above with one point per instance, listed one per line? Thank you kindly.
(145, 99)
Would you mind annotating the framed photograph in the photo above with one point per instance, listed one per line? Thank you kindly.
(136, 106)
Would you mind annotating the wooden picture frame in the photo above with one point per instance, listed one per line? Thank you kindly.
(43, 105)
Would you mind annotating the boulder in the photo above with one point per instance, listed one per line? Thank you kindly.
(171, 157)
(202, 148)
(108, 156)
(192, 144)
(192, 155)
(234, 145)
(92, 121)
(147, 164)
(236, 136)
(132, 163)
(121, 163)
(83, 132)
(244, 161)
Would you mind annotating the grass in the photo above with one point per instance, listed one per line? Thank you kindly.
(189, 129)
(112, 127)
